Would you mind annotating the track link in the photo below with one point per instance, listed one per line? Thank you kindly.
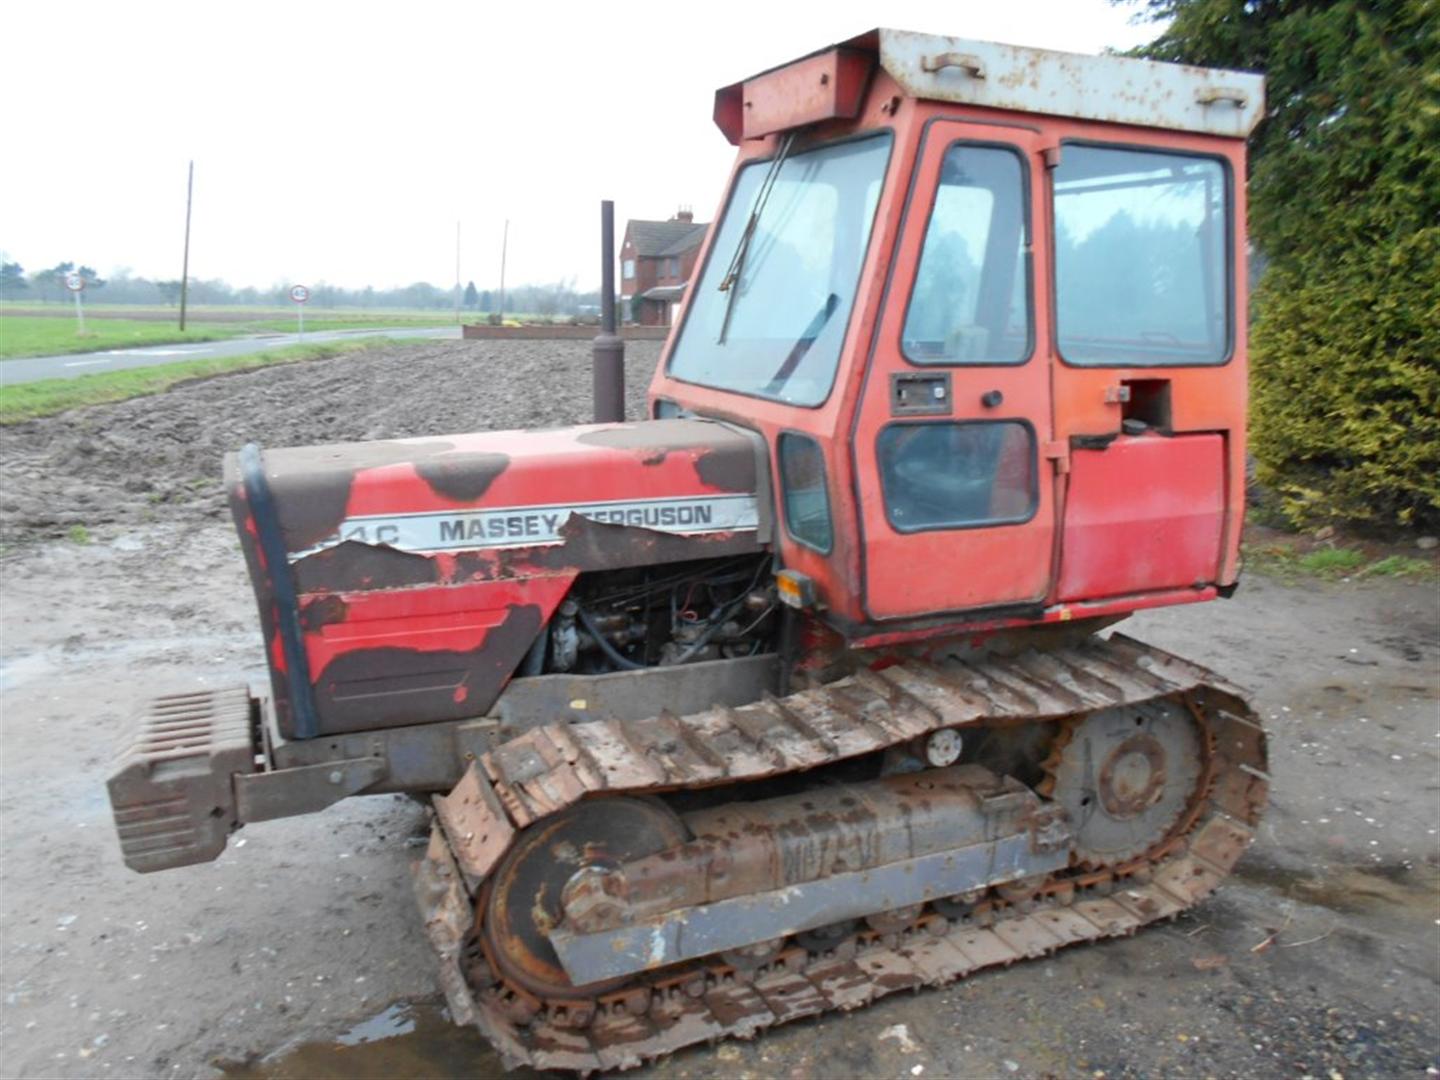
(555, 766)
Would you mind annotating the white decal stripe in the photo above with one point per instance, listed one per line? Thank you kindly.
(531, 526)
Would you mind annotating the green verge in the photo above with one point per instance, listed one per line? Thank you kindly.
(346, 322)
(1290, 565)
(39, 335)
(48, 335)
(46, 397)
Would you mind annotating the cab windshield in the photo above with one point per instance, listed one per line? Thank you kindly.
(768, 315)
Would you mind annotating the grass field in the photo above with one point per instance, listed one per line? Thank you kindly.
(1293, 559)
(246, 313)
(22, 335)
(26, 401)
(26, 334)
(343, 321)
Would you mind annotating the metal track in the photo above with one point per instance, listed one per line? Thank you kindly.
(554, 766)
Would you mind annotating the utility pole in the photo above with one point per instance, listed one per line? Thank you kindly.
(504, 241)
(457, 272)
(185, 266)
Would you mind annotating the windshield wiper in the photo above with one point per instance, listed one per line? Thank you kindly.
(730, 283)
(802, 345)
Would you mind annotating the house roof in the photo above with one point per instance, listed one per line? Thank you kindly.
(660, 238)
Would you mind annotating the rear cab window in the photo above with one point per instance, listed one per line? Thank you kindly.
(1141, 258)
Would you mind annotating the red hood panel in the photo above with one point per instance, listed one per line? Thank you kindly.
(423, 569)
(514, 488)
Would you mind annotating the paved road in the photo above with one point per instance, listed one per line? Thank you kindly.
(31, 368)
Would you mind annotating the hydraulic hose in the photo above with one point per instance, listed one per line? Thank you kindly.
(609, 650)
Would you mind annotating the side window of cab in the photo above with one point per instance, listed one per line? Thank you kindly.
(950, 475)
(805, 497)
(971, 300)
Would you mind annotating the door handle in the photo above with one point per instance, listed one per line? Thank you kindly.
(991, 398)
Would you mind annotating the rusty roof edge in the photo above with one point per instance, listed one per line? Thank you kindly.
(727, 98)
(1111, 89)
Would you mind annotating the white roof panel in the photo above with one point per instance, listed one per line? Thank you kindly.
(1116, 89)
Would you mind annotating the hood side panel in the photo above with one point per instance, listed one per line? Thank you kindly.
(424, 569)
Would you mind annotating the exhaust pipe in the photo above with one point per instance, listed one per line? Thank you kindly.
(609, 347)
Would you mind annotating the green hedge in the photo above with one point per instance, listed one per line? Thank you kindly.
(1345, 385)
(1345, 205)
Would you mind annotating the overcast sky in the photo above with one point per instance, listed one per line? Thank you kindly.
(342, 142)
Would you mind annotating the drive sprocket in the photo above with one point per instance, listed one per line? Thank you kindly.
(1127, 776)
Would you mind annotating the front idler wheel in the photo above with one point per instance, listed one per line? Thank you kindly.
(522, 901)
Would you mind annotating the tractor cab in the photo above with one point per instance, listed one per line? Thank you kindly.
(985, 305)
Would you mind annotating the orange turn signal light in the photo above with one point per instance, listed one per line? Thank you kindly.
(796, 590)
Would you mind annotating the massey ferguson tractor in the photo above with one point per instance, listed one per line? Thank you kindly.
(798, 692)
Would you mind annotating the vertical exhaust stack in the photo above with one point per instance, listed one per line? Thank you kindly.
(609, 348)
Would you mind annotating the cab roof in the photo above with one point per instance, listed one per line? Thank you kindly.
(830, 83)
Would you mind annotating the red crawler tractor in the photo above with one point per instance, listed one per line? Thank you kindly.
(794, 694)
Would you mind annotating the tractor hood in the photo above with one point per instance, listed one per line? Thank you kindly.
(511, 490)
(407, 578)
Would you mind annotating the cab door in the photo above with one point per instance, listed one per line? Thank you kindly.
(957, 503)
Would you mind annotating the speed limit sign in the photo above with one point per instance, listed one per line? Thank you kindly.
(299, 293)
(75, 282)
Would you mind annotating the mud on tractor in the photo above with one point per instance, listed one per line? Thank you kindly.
(795, 693)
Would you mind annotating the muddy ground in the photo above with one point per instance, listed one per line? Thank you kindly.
(298, 953)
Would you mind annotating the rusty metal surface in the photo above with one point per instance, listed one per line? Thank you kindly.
(1116, 89)
(432, 757)
(265, 796)
(475, 825)
(421, 758)
(829, 86)
(743, 850)
(673, 1007)
(171, 787)
(633, 695)
(1125, 777)
(522, 904)
(448, 918)
(550, 767)
(671, 936)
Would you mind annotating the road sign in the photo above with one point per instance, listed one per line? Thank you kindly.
(299, 293)
(75, 283)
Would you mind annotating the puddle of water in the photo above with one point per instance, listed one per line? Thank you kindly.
(16, 670)
(407, 1041)
(395, 1021)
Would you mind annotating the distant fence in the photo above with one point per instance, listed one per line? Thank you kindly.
(483, 332)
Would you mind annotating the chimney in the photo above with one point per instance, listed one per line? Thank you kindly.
(684, 214)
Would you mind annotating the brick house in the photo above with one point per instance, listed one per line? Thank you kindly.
(656, 261)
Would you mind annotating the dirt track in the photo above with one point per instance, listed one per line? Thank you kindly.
(305, 927)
